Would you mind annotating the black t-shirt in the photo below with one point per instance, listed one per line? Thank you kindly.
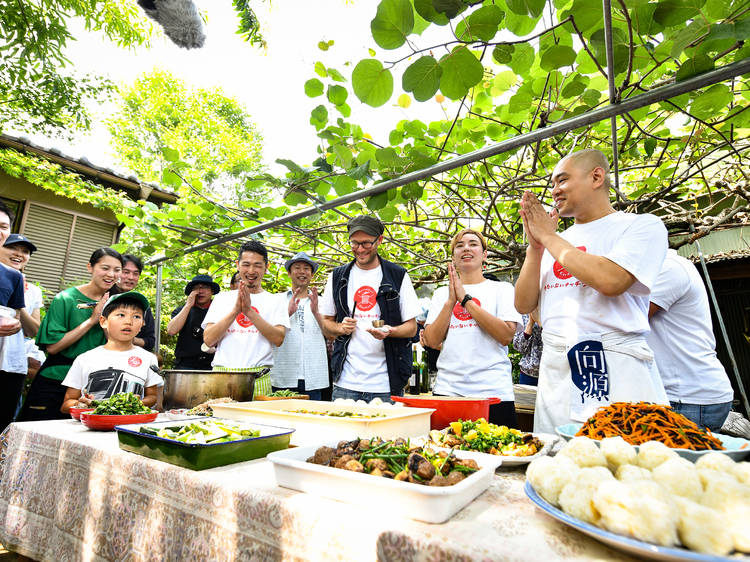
(188, 354)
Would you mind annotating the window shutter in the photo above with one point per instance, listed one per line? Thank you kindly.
(88, 235)
(49, 230)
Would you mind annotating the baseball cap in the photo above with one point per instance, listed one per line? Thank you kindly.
(366, 223)
(19, 239)
(135, 295)
(303, 257)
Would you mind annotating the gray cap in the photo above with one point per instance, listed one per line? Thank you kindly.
(303, 257)
(366, 223)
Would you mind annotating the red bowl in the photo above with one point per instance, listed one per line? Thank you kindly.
(108, 423)
(75, 413)
(450, 408)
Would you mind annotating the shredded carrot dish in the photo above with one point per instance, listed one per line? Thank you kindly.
(638, 422)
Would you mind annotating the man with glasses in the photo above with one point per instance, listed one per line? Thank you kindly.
(369, 362)
(190, 352)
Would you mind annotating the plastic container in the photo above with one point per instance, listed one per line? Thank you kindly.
(75, 413)
(197, 456)
(450, 408)
(425, 503)
(312, 428)
(107, 422)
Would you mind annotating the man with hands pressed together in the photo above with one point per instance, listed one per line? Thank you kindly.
(244, 324)
(190, 351)
(369, 362)
(591, 283)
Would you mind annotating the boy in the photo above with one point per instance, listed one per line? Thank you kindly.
(118, 365)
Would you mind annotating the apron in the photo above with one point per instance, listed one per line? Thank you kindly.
(631, 376)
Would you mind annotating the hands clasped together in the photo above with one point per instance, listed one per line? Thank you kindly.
(538, 223)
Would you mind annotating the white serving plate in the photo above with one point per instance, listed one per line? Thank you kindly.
(735, 447)
(424, 503)
(311, 428)
(547, 439)
(628, 544)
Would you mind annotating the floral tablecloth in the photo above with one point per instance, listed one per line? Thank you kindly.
(67, 493)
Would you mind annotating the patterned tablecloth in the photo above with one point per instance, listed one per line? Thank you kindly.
(68, 493)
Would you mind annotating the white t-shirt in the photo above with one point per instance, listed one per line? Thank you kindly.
(16, 348)
(682, 336)
(637, 243)
(472, 363)
(243, 345)
(106, 372)
(365, 369)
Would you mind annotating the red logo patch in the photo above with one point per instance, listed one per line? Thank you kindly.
(134, 361)
(365, 298)
(243, 320)
(559, 271)
(461, 313)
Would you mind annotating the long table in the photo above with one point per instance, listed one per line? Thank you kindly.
(67, 493)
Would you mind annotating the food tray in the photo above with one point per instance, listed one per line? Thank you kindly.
(735, 447)
(197, 456)
(311, 428)
(107, 422)
(425, 503)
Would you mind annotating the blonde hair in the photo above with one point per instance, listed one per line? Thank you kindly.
(461, 233)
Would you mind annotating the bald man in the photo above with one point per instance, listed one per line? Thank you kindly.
(592, 284)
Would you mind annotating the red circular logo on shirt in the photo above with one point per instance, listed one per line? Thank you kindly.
(461, 313)
(559, 271)
(365, 298)
(134, 361)
(243, 320)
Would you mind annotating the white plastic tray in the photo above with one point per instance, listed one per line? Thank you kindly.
(425, 503)
(311, 428)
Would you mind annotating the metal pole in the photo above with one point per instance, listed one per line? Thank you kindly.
(158, 305)
(724, 333)
(607, 8)
(630, 104)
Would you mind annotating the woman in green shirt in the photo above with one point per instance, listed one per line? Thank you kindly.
(70, 327)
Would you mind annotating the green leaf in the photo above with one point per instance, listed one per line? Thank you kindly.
(592, 97)
(531, 8)
(412, 190)
(372, 83)
(503, 54)
(319, 117)
(502, 82)
(686, 36)
(649, 145)
(671, 13)
(585, 13)
(343, 155)
(481, 25)
(711, 101)
(320, 70)
(313, 88)
(557, 56)
(360, 172)
(520, 25)
(377, 201)
(295, 198)
(389, 212)
(696, 65)
(574, 87)
(291, 165)
(343, 185)
(420, 24)
(335, 75)
(388, 158)
(344, 109)
(170, 154)
(325, 45)
(451, 8)
(461, 71)
(422, 78)
(337, 94)
(168, 177)
(393, 22)
(643, 18)
(523, 59)
(267, 213)
(425, 9)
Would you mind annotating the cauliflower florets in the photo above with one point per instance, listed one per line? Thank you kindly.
(702, 529)
(679, 477)
(576, 497)
(549, 476)
(628, 472)
(652, 453)
(584, 452)
(617, 451)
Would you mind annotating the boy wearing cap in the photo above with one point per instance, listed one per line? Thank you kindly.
(119, 365)
(369, 362)
(301, 362)
(186, 321)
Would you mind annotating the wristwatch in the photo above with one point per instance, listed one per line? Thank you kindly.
(466, 299)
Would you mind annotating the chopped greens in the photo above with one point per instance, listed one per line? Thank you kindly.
(122, 404)
(202, 432)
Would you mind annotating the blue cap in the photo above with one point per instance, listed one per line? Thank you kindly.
(19, 239)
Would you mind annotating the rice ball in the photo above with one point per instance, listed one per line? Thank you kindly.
(628, 472)
(716, 461)
(377, 401)
(617, 451)
(576, 497)
(732, 499)
(708, 475)
(584, 452)
(639, 509)
(742, 472)
(548, 476)
(679, 477)
(702, 529)
(652, 453)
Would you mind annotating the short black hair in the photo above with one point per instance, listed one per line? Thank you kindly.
(124, 302)
(253, 246)
(135, 260)
(101, 252)
(4, 209)
(234, 278)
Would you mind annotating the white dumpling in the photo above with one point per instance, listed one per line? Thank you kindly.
(638, 509)
(679, 477)
(741, 472)
(716, 461)
(377, 401)
(584, 452)
(548, 476)
(628, 472)
(576, 498)
(708, 475)
(617, 451)
(702, 528)
(732, 499)
(652, 453)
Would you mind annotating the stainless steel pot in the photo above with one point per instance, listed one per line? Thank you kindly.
(186, 389)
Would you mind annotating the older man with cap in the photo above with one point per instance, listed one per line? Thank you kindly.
(190, 352)
(301, 362)
(368, 361)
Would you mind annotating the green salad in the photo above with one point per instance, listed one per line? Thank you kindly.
(123, 404)
(202, 432)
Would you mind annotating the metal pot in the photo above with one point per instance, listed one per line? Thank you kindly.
(186, 389)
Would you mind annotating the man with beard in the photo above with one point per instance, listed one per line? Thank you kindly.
(190, 352)
(301, 363)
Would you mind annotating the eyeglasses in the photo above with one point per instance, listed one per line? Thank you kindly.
(366, 244)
